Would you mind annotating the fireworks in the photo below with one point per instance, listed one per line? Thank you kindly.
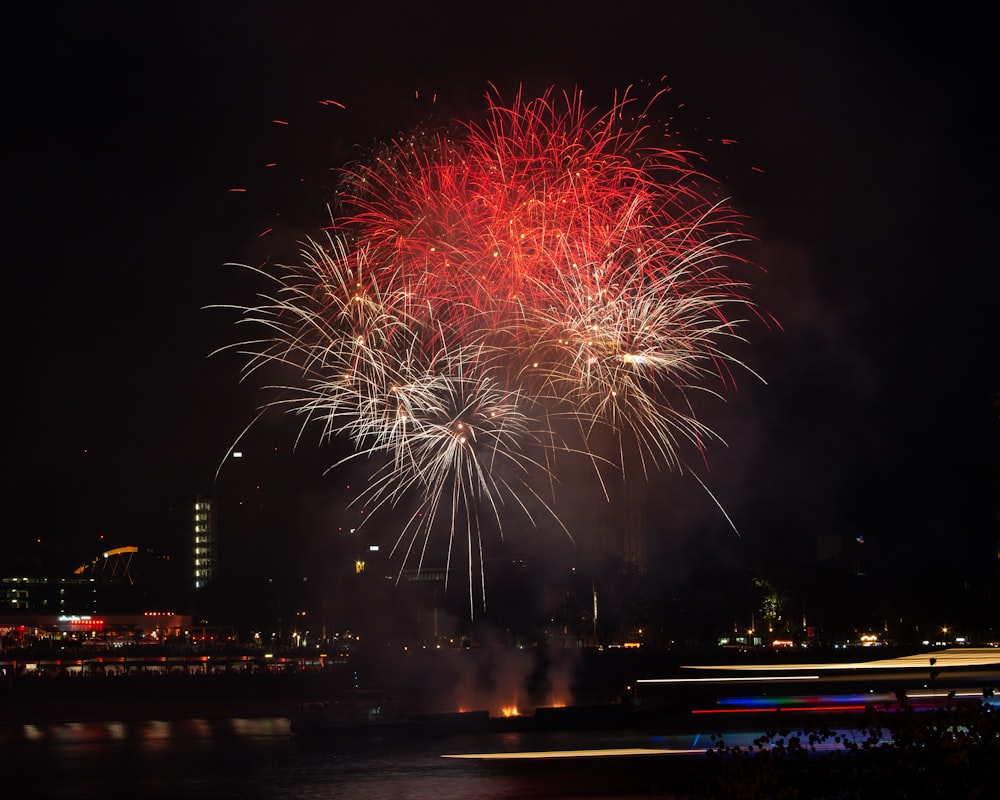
(489, 296)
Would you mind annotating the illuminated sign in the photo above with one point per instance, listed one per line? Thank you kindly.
(74, 622)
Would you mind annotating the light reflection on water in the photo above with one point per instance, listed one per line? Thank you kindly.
(258, 758)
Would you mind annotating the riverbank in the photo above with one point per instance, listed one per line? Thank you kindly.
(133, 686)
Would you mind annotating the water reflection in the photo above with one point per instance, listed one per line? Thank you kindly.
(148, 732)
(258, 758)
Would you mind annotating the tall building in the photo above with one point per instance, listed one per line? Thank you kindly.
(630, 503)
(205, 542)
(624, 511)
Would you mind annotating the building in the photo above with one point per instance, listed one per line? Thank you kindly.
(205, 542)
(120, 594)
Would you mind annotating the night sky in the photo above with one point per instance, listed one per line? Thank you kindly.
(863, 159)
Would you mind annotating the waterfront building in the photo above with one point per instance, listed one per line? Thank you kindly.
(205, 542)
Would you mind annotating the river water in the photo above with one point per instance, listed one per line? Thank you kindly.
(258, 758)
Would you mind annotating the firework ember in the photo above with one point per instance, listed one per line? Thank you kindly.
(489, 296)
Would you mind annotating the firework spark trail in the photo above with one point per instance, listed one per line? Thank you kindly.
(483, 283)
(624, 357)
(367, 371)
(465, 435)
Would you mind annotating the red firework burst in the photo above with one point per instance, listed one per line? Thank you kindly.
(489, 220)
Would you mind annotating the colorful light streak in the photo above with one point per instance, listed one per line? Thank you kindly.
(758, 709)
(798, 701)
(918, 701)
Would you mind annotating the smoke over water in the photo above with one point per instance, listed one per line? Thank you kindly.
(508, 682)
(491, 677)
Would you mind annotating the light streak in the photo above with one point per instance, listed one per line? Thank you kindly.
(826, 700)
(951, 657)
(768, 678)
(783, 709)
(532, 755)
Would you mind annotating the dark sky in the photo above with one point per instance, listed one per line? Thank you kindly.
(864, 159)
